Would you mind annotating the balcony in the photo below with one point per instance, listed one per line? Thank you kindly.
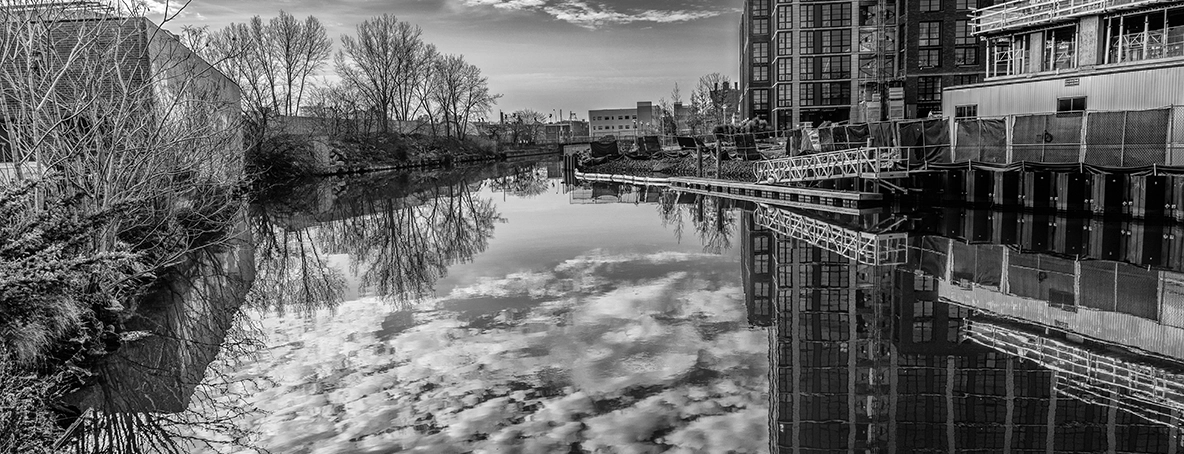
(1017, 14)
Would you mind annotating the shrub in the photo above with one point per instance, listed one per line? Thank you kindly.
(50, 271)
(282, 157)
(26, 423)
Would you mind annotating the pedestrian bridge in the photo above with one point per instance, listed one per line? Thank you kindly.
(871, 162)
(863, 247)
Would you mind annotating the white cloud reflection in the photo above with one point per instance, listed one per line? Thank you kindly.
(662, 364)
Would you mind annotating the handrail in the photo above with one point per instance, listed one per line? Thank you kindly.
(856, 162)
(1023, 13)
(862, 247)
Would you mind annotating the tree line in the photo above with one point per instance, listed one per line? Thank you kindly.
(387, 75)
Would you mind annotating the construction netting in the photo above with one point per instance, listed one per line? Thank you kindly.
(1127, 138)
(930, 255)
(1046, 138)
(981, 139)
(605, 148)
(1117, 287)
(981, 264)
(925, 141)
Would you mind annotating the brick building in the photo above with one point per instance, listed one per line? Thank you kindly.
(120, 72)
(809, 62)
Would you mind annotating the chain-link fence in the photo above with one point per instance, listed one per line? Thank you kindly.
(1134, 138)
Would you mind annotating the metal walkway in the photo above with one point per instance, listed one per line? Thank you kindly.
(873, 163)
(863, 247)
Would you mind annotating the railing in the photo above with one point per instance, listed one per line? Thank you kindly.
(1145, 390)
(1024, 13)
(862, 247)
(857, 162)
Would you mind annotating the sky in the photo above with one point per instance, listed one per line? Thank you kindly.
(544, 55)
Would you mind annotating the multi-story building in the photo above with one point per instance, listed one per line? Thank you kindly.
(939, 51)
(901, 359)
(629, 121)
(809, 62)
(1066, 56)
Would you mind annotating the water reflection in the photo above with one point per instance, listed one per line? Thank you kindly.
(497, 309)
(965, 348)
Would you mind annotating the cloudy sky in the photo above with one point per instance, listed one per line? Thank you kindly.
(543, 54)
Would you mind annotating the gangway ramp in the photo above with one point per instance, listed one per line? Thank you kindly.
(829, 200)
(865, 248)
(871, 162)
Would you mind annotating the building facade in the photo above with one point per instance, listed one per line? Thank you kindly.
(629, 121)
(1104, 56)
(816, 61)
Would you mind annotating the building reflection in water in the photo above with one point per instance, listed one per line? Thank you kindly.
(885, 342)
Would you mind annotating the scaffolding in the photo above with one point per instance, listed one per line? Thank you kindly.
(1147, 391)
(875, 163)
(1018, 14)
(863, 247)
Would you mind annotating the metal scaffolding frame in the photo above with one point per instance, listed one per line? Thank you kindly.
(1149, 392)
(868, 162)
(865, 248)
(1017, 14)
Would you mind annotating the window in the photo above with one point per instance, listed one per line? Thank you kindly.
(785, 96)
(784, 43)
(821, 68)
(760, 73)
(785, 70)
(825, 42)
(963, 5)
(760, 53)
(760, 26)
(968, 111)
(760, 7)
(760, 264)
(928, 6)
(929, 88)
(966, 56)
(760, 243)
(1008, 56)
(1150, 35)
(760, 99)
(784, 18)
(929, 34)
(1076, 104)
(962, 36)
(825, 15)
(1060, 49)
(825, 94)
(928, 58)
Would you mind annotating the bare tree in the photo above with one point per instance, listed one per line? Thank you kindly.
(525, 125)
(461, 94)
(376, 62)
(714, 95)
(300, 49)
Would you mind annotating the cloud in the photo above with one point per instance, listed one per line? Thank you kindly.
(639, 367)
(592, 16)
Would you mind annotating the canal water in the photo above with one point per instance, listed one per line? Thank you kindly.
(509, 310)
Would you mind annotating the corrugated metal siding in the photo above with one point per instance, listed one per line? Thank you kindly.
(1131, 90)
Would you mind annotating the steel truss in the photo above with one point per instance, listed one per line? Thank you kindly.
(865, 248)
(857, 162)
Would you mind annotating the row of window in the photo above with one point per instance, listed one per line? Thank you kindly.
(610, 127)
(618, 117)
(930, 6)
(839, 93)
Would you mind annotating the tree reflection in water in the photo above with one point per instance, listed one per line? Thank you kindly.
(153, 392)
(400, 248)
(714, 218)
